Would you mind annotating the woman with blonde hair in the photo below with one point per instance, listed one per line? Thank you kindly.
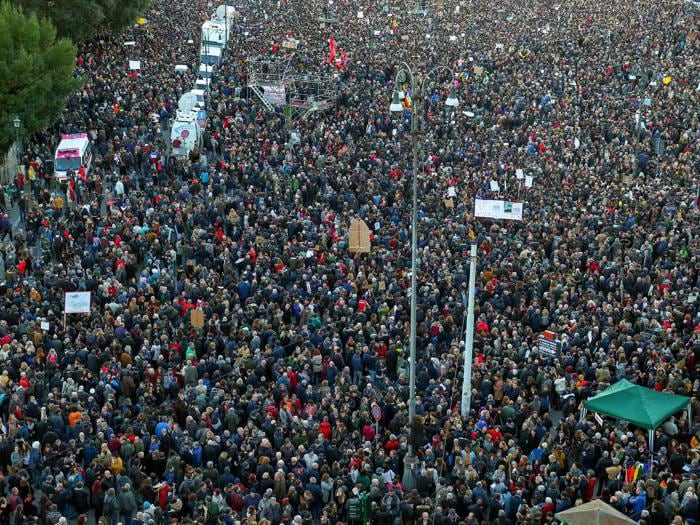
(280, 485)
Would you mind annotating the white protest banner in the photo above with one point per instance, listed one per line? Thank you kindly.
(495, 209)
(360, 14)
(77, 303)
(134, 65)
(451, 191)
(519, 174)
(275, 95)
(528, 181)
(495, 186)
(44, 325)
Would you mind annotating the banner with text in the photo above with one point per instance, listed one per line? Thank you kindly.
(494, 209)
(275, 95)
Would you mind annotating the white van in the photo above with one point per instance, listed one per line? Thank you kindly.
(202, 84)
(185, 134)
(73, 152)
(205, 71)
(199, 93)
(210, 55)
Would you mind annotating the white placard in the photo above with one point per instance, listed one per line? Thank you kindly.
(495, 186)
(377, 33)
(134, 65)
(453, 38)
(44, 325)
(451, 191)
(495, 209)
(377, 226)
(528, 181)
(519, 174)
(130, 43)
(598, 419)
(275, 95)
(360, 14)
(77, 303)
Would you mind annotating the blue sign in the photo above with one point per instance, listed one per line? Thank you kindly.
(201, 118)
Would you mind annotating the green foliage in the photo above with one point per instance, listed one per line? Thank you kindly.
(74, 19)
(36, 73)
(79, 19)
(122, 13)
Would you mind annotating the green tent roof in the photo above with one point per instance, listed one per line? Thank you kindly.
(642, 406)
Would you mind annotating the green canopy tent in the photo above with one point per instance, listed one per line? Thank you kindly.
(641, 406)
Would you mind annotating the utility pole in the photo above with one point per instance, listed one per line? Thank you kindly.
(469, 339)
(418, 86)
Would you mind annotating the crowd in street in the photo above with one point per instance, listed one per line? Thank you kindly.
(235, 346)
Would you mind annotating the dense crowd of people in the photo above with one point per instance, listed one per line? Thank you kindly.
(256, 408)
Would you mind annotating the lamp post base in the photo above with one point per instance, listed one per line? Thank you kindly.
(410, 467)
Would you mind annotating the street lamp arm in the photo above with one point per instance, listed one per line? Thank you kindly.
(426, 78)
(405, 68)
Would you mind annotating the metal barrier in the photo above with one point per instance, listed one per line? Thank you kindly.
(8, 168)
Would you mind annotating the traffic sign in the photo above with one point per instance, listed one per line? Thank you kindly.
(201, 118)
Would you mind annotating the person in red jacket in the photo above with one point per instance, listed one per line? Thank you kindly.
(325, 428)
(368, 432)
(391, 444)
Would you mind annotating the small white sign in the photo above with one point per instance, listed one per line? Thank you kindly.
(528, 181)
(360, 14)
(451, 191)
(377, 226)
(130, 43)
(519, 174)
(598, 419)
(495, 186)
(77, 303)
(453, 38)
(134, 65)
(44, 325)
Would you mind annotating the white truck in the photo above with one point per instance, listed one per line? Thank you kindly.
(215, 34)
(73, 152)
(185, 134)
(210, 55)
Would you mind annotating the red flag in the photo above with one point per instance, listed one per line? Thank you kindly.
(331, 55)
(340, 64)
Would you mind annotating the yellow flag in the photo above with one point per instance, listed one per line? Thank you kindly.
(667, 80)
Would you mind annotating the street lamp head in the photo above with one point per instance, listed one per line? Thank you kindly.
(17, 121)
(452, 100)
(396, 105)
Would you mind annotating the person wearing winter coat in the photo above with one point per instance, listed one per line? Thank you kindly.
(111, 507)
(127, 502)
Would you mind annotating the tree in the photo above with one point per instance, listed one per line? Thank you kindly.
(122, 13)
(36, 73)
(80, 19)
(74, 19)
